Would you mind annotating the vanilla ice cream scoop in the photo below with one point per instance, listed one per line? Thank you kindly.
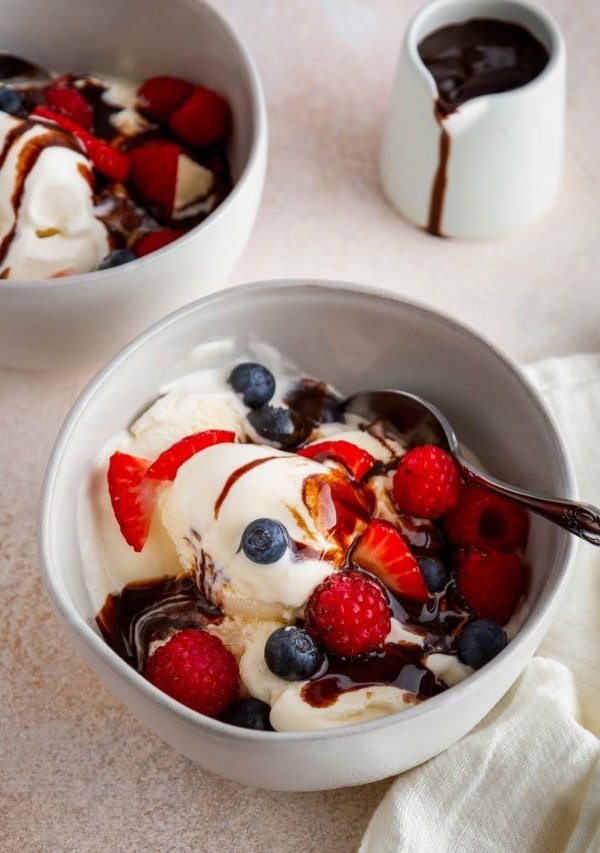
(223, 490)
(47, 222)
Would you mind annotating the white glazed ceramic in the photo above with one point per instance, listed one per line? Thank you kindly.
(357, 338)
(506, 149)
(86, 318)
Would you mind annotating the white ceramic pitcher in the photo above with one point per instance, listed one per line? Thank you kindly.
(504, 150)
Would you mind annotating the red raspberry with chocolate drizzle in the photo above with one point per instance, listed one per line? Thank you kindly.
(348, 613)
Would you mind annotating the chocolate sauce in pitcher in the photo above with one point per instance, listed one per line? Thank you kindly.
(481, 56)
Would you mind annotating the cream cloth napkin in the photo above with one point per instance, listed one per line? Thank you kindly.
(527, 778)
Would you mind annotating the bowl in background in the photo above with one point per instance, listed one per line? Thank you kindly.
(356, 338)
(66, 322)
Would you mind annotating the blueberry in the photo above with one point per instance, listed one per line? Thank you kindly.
(254, 382)
(435, 573)
(249, 714)
(116, 258)
(11, 101)
(480, 641)
(265, 540)
(281, 426)
(291, 653)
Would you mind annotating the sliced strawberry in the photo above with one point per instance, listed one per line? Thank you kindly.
(132, 495)
(354, 459)
(490, 582)
(107, 160)
(203, 119)
(158, 97)
(71, 103)
(155, 240)
(166, 465)
(154, 174)
(382, 551)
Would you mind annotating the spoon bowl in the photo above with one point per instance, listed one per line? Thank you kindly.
(419, 422)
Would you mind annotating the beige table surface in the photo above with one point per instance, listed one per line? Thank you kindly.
(77, 771)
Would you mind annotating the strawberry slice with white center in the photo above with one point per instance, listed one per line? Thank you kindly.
(133, 497)
(166, 465)
(162, 174)
(133, 482)
(355, 460)
(382, 551)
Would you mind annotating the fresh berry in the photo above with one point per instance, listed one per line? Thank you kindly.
(426, 483)
(292, 654)
(116, 259)
(254, 382)
(195, 668)
(490, 582)
(435, 573)
(166, 465)
(480, 641)
(265, 541)
(70, 103)
(202, 120)
(156, 240)
(154, 174)
(11, 101)
(282, 427)
(382, 551)
(354, 459)
(486, 520)
(109, 161)
(132, 496)
(248, 714)
(158, 97)
(348, 613)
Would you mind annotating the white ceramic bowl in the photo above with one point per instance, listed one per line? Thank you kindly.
(356, 338)
(58, 323)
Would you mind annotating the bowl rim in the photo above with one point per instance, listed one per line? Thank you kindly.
(254, 160)
(535, 620)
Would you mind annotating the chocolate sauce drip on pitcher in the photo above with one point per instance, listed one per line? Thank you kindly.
(467, 60)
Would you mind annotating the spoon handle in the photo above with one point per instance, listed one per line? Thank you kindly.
(581, 519)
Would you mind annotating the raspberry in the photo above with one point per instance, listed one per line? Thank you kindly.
(486, 520)
(158, 97)
(490, 582)
(202, 120)
(348, 613)
(195, 668)
(426, 483)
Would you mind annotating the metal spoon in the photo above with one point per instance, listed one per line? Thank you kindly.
(420, 422)
(16, 71)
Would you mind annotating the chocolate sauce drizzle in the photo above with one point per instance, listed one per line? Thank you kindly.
(145, 612)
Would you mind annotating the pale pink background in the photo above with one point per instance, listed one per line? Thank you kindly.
(77, 772)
